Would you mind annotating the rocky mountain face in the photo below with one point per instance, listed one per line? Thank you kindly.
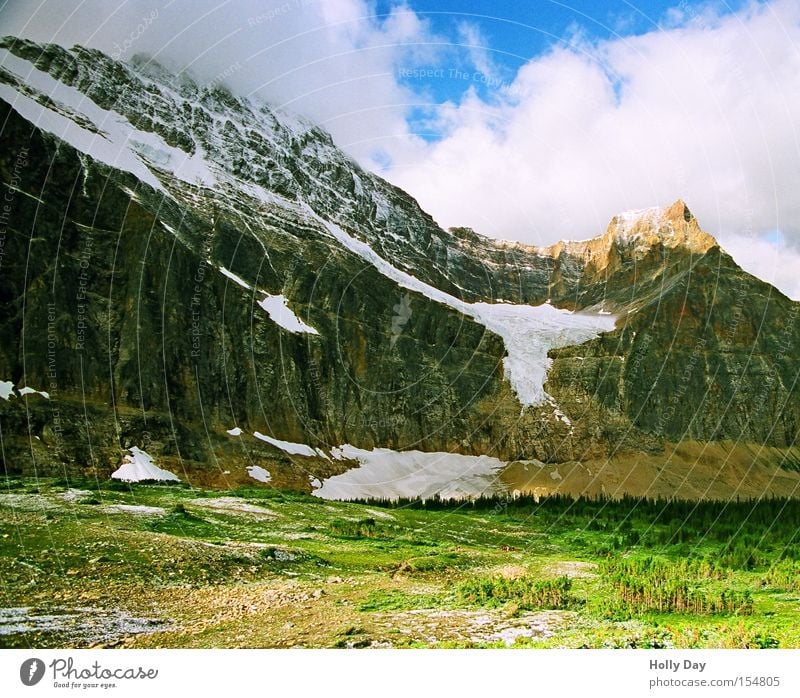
(178, 261)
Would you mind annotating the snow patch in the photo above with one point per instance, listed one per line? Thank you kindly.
(138, 466)
(236, 279)
(634, 226)
(30, 391)
(384, 473)
(358, 185)
(258, 473)
(287, 446)
(297, 126)
(117, 142)
(528, 331)
(560, 415)
(277, 307)
(627, 219)
(193, 169)
(109, 146)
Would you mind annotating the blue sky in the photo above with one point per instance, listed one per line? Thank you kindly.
(517, 32)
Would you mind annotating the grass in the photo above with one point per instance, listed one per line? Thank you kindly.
(261, 567)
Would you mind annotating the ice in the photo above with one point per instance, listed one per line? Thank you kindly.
(288, 446)
(358, 185)
(109, 146)
(258, 473)
(277, 307)
(194, 169)
(138, 466)
(528, 331)
(387, 474)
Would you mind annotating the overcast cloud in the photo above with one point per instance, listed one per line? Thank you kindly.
(707, 109)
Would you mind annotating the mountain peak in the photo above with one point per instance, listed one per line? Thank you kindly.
(672, 226)
(679, 210)
(638, 231)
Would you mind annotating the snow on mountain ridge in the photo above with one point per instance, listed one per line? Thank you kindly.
(218, 161)
(528, 331)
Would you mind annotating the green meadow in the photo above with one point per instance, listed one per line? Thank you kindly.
(89, 564)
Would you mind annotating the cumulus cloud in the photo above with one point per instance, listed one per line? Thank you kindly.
(478, 49)
(707, 108)
(335, 61)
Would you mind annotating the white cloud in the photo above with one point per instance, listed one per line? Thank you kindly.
(708, 111)
(334, 61)
(773, 262)
(707, 108)
(472, 39)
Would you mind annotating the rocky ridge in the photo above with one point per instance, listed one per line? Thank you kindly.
(151, 215)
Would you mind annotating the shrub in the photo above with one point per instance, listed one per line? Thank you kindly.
(651, 584)
(364, 528)
(784, 575)
(528, 593)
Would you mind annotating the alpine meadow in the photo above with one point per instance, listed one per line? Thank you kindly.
(254, 395)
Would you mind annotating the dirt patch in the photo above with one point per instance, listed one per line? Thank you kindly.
(232, 504)
(575, 569)
(28, 502)
(72, 627)
(510, 571)
(137, 509)
(474, 627)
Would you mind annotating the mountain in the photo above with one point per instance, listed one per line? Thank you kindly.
(212, 281)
